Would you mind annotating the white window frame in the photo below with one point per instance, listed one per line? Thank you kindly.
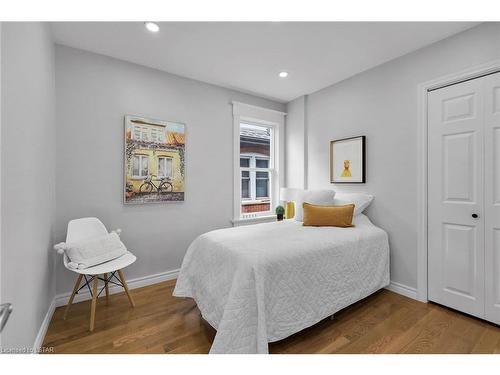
(252, 169)
(157, 134)
(171, 174)
(143, 133)
(1, 204)
(269, 193)
(249, 177)
(139, 176)
(154, 135)
(246, 113)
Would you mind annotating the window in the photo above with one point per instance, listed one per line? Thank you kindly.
(165, 167)
(262, 179)
(157, 135)
(149, 133)
(140, 166)
(258, 160)
(141, 133)
(154, 135)
(262, 185)
(254, 179)
(255, 161)
(245, 185)
(262, 163)
(245, 162)
(137, 133)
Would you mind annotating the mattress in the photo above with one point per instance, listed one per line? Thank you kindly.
(261, 283)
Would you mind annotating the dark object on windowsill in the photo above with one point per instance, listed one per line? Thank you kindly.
(280, 212)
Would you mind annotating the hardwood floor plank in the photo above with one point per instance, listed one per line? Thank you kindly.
(381, 335)
(385, 322)
(324, 333)
(435, 324)
(488, 342)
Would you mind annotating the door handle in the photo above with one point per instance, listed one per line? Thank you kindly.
(475, 216)
(5, 310)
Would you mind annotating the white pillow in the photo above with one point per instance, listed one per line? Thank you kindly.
(319, 197)
(95, 250)
(361, 201)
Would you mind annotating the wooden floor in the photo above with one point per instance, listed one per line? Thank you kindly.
(382, 323)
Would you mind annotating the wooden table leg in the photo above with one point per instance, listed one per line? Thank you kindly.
(106, 287)
(124, 282)
(94, 303)
(75, 289)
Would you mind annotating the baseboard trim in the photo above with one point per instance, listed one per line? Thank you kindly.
(62, 299)
(44, 326)
(139, 282)
(402, 289)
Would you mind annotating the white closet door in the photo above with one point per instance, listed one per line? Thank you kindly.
(456, 237)
(492, 195)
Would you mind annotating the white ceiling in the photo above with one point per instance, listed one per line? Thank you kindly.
(248, 56)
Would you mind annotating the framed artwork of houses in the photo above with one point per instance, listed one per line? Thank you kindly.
(348, 160)
(154, 160)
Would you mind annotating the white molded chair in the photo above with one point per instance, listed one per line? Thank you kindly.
(80, 229)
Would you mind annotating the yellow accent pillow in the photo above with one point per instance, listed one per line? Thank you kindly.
(328, 216)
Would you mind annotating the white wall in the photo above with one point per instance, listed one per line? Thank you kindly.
(93, 93)
(28, 178)
(294, 144)
(382, 104)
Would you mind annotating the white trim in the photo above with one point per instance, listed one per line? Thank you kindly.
(253, 220)
(422, 194)
(402, 289)
(44, 327)
(306, 142)
(257, 107)
(62, 299)
(258, 115)
(422, 182)
(0, 172)
(253, 169)
(264, 200)
(138, 282)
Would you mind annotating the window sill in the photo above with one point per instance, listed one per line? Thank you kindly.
(253, 220)
(257, 201)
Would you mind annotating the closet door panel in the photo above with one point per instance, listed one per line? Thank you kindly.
(456, 236)
(492, 196)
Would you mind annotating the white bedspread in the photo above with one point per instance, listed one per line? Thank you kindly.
(261, 283)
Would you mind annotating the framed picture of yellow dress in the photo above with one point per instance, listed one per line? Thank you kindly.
(348, 160)
(154, 164)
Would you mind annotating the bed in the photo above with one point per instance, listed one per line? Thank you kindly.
(261, 283)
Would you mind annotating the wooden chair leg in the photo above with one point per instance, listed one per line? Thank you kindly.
(94, 303)
(75, 289)
(106, 287)
(124, 282)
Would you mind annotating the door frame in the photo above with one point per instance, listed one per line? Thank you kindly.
(422, 161)
(0, 171)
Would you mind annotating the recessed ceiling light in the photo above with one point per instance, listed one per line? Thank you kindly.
(283, 74)
(151, 26)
